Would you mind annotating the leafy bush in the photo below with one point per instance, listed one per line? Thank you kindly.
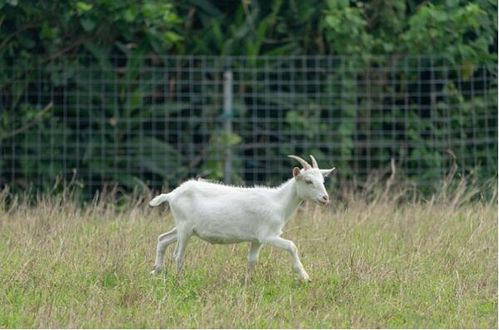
(94, 87)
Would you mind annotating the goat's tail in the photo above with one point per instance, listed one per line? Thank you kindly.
(159, 199)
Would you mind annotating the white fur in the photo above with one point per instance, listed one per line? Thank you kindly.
(226, 214)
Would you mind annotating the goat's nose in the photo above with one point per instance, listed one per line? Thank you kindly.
(325, 198)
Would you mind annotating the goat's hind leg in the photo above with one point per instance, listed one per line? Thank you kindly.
(179, 254)
(163, 241)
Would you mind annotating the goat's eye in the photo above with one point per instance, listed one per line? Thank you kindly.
(308, 181)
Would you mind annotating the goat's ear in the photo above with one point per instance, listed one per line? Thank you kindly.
(326, 173)
(296, 172)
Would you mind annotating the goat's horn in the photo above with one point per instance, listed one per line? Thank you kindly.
(314, 162)
(303, 163)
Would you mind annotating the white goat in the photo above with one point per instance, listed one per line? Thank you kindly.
(224, 214)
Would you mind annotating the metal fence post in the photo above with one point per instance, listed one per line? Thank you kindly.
(227, 115)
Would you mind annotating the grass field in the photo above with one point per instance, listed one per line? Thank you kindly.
(374, 262)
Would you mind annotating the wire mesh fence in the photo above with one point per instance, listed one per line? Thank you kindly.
(155, 121)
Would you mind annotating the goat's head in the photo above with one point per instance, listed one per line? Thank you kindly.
(310, 181)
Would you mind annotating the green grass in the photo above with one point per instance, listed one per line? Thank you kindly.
(372, 264)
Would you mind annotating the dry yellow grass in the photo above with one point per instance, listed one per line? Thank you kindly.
(374, 262)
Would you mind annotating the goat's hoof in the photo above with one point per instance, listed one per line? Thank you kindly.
(155, 271)
(305, 278)
(246, 280)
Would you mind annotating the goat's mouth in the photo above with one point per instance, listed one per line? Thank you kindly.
(322, 202)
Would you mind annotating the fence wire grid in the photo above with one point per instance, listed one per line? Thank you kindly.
(157, 120)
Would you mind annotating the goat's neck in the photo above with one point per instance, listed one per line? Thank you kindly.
(288, 198)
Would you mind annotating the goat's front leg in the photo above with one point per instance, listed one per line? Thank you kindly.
(163, 241)
(293, 251)
(253, 258)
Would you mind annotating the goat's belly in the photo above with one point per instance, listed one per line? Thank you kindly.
(219, 238)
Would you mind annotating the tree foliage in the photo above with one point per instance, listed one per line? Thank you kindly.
(108, 41)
